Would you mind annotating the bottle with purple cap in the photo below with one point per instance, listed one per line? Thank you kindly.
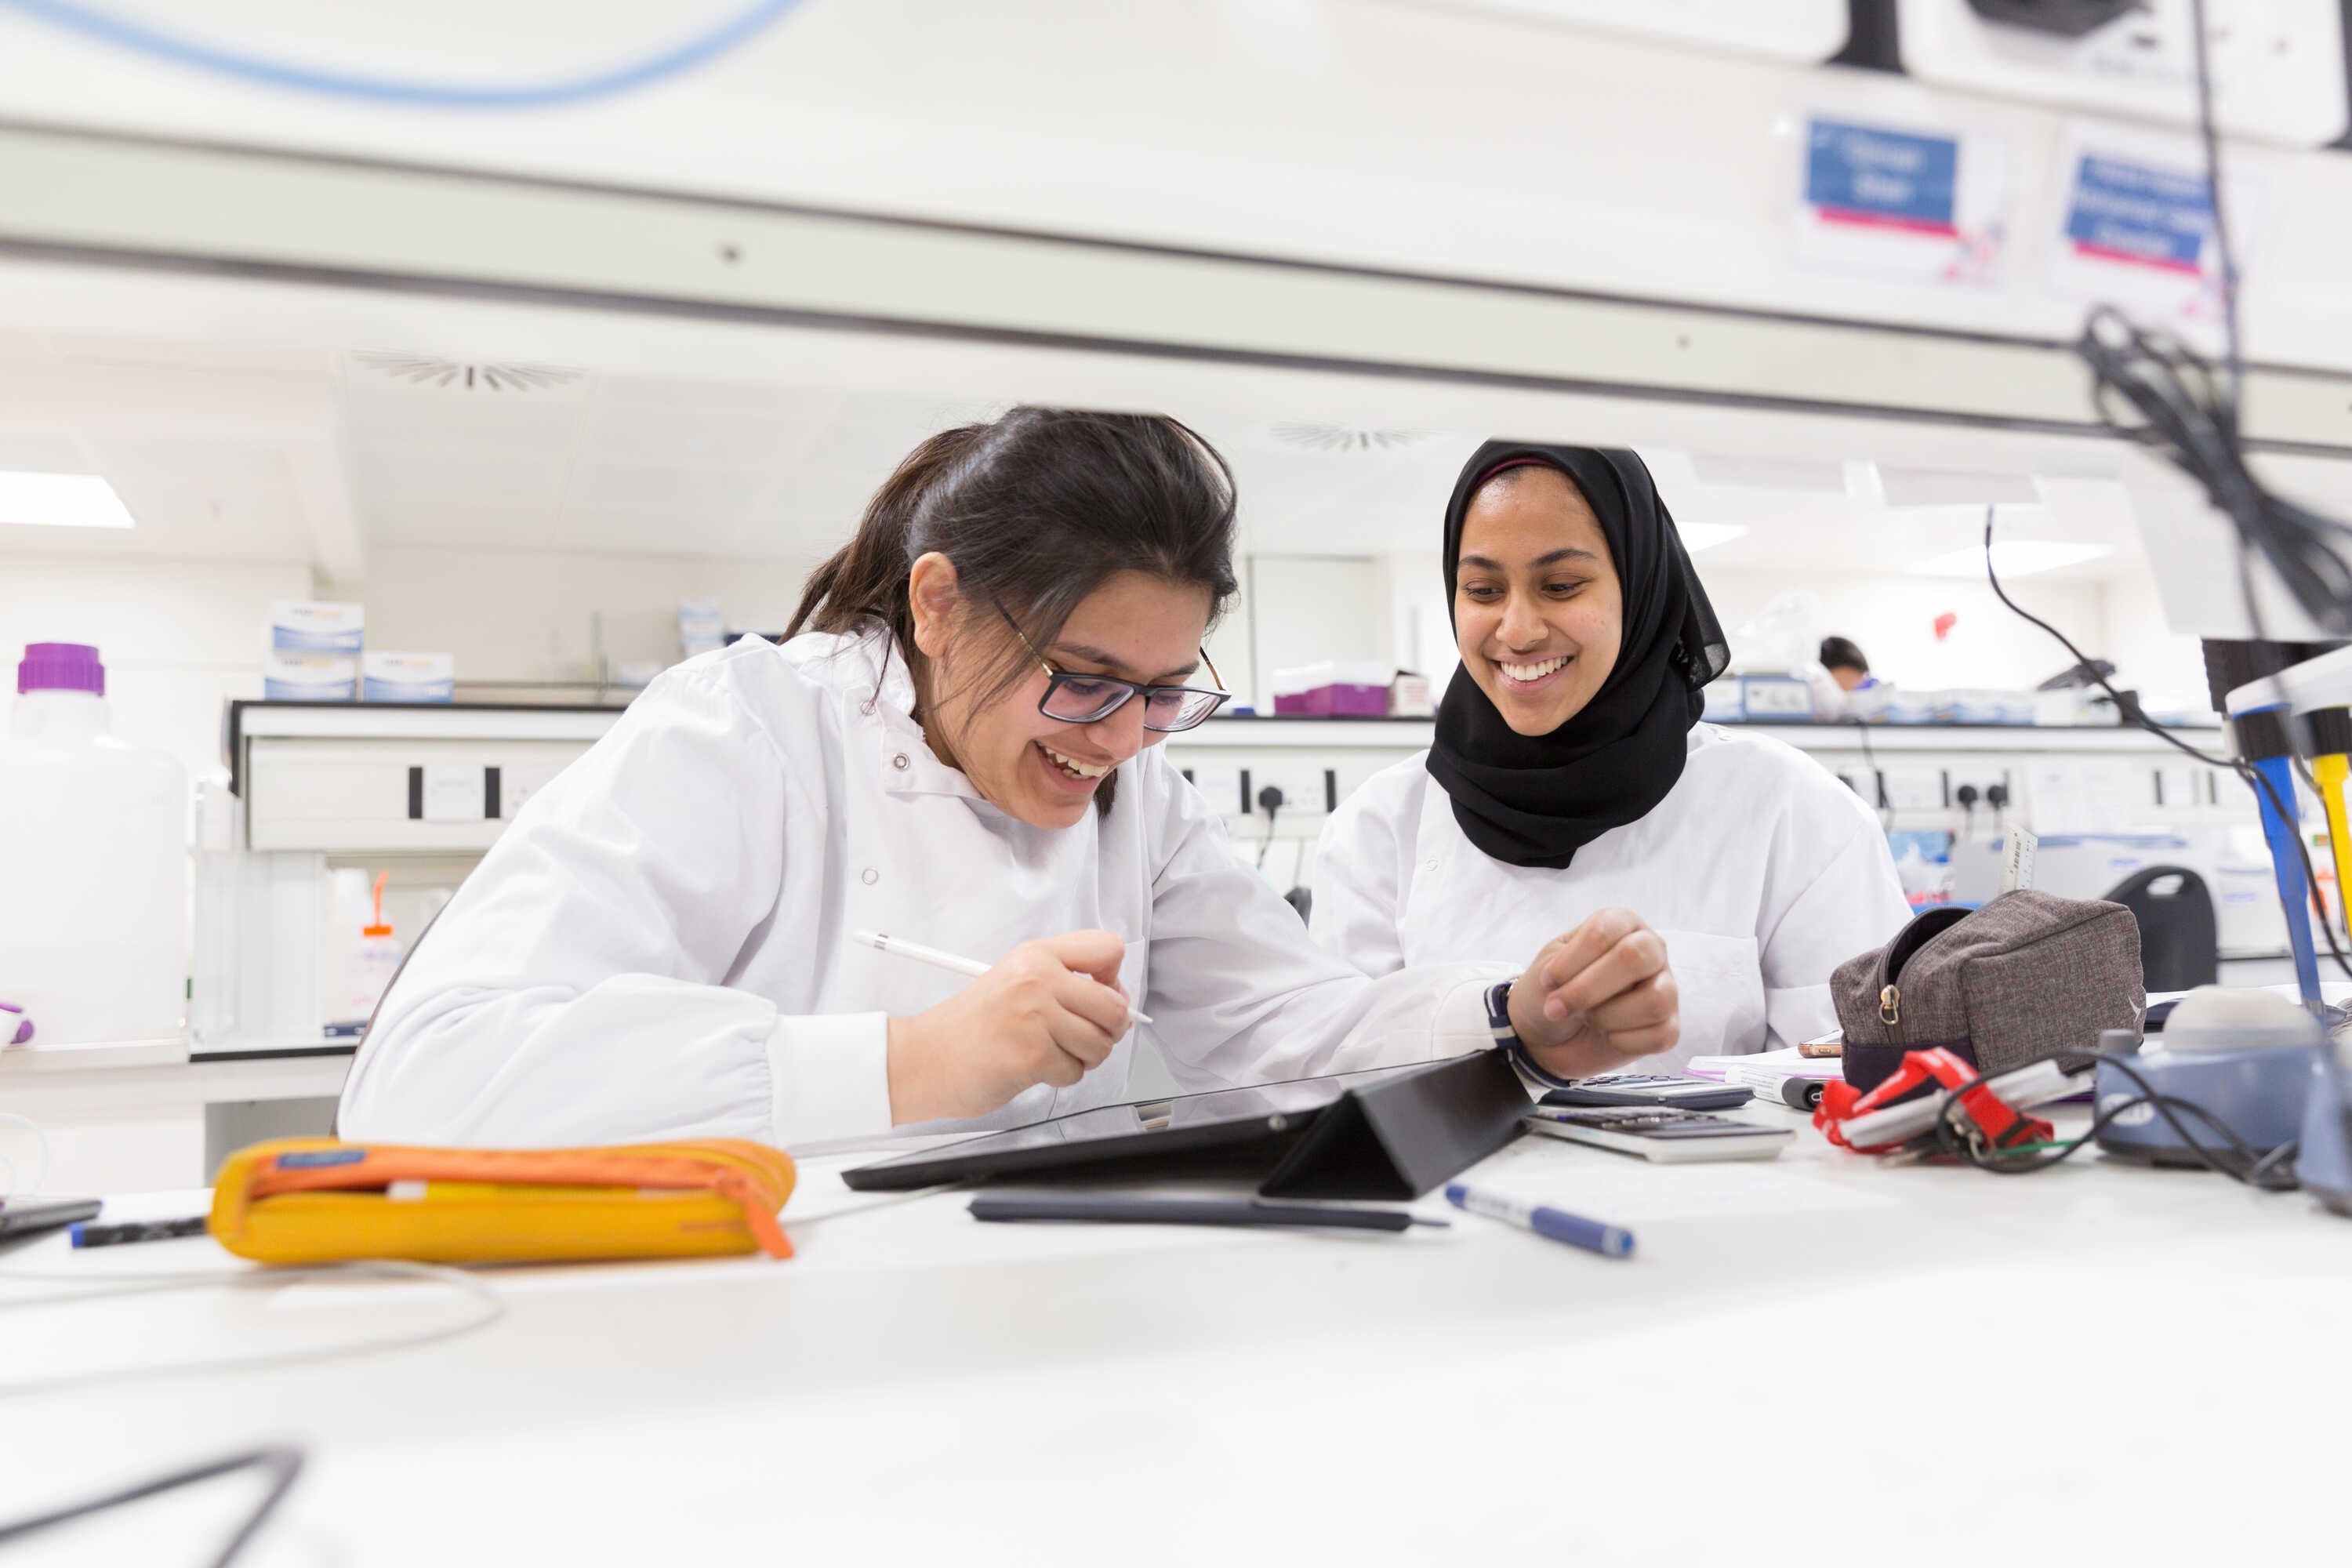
(93, 865)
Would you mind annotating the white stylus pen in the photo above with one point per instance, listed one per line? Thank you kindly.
(949, 960)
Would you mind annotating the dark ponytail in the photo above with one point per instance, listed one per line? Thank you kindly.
(1036, 511)
(864, 581)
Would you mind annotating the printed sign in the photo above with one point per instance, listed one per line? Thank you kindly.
(2139, 216)
(1858, 174)
(1919, 205)
(2136, 231)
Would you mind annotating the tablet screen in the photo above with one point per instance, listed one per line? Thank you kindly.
(1216, 1106)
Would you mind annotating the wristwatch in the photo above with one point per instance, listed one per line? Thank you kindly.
(1507, 1037)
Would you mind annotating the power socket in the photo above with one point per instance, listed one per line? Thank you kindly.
(1306, 790)
(1914, 788)
(1981, 779)
(1221, 784)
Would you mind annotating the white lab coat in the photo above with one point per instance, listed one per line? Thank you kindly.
(659, 946)
(1762, 870)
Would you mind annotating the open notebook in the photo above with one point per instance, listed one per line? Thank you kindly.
(1779, 1064)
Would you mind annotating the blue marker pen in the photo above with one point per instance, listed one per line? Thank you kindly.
(2264, 740)
(1608, 1240)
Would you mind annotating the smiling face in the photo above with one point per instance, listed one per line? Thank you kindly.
(1136, 627)
(1537, 608)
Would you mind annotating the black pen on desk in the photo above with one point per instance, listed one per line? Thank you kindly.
(88, 1235)
(1104, 1209)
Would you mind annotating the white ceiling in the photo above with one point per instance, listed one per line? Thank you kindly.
(214, 463)
(623, 463)
(251, 421)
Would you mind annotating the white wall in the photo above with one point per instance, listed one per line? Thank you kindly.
(1420, 631)
(525, 615)
(179, 637)
(1892, 618)
(1306, 608)
(2167, 667)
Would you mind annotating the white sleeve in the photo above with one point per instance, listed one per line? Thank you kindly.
(1848, 903)
(575, 990)
(1242, 993)
(1357, 868)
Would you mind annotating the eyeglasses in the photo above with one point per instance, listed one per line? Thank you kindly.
(1073, 698)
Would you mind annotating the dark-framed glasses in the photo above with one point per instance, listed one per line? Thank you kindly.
(1074, 698)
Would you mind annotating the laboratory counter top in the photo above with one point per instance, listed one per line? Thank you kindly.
(283, 721)
(1821, 1358)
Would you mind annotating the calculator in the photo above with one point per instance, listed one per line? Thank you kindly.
(1651, 1088)
(1666, 1133)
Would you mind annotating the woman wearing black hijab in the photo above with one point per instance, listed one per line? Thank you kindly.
(1572, 786)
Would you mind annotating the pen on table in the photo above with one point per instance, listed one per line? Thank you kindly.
(1608, 1240)
(88, 1235)
(1112, 1208)
(949, 960)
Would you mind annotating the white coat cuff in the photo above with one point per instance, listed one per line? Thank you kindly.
(832, 1077)
(1462, 1026)
(1460, 1023)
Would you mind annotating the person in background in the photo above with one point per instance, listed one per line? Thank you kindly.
(1845, 664)
(957, 745)
(1572, 783)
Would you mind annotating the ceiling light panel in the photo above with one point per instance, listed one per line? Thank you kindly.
(60, 500)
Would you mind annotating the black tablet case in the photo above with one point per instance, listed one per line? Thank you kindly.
(1403, 1136)
(1392, 1139)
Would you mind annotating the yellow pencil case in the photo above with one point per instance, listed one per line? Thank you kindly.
(317, 1200)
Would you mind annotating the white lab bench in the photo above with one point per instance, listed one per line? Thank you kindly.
(1818, 1359)
(163, 1109)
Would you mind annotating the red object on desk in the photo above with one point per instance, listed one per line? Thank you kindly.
(2000, 1124)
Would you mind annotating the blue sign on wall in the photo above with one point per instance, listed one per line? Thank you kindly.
(2129, 212)
(1889, 179)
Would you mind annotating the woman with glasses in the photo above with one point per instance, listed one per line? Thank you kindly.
(956, 746)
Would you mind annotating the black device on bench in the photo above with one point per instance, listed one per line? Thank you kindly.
(1390, 1133)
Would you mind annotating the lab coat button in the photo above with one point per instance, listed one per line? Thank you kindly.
(1429, 865)
(870, 876)
(899, 761)
(866, 708)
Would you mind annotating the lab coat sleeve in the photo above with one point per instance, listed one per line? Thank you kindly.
(1241, 994)
(575, 992)
(1848, 902)
(1356, 869)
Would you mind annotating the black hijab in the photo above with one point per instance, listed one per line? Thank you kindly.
(1535, 800)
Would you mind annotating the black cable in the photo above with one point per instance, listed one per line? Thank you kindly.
(1271, 798)
(284, 1465)
(2285, 1151)
(1877, 779)
(2184, 412)
(2254, 776)
(2250, 1168)
(2193, 419)
(2213, 143)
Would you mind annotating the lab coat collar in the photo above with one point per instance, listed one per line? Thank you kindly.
(886, 707)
